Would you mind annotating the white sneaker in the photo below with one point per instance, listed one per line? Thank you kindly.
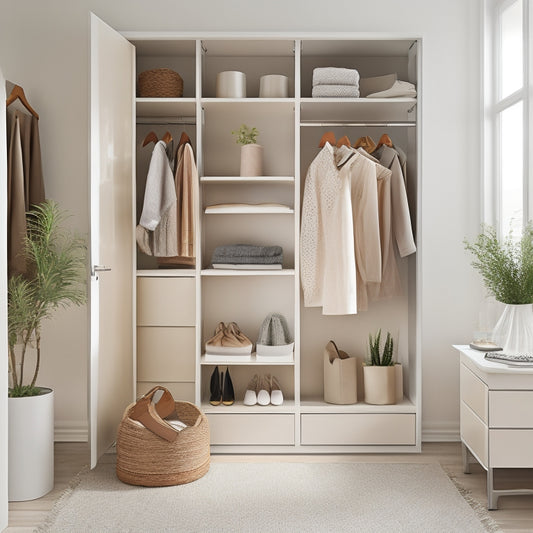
(276, 396)
(250, 396)
(263, 396)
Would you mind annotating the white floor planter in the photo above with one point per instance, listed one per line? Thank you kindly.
(31, 446)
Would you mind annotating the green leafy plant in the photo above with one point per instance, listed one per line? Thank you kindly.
(506, 265)
(55, 278)
(378, 358)
(245, 135)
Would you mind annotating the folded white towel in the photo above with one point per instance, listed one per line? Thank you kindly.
(335, 91)
(335, 76)
(399, 89)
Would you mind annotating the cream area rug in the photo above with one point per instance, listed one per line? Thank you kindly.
(273, 498)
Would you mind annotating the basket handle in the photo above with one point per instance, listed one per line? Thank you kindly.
(151, 415)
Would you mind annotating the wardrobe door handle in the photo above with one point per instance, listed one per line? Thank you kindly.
(99, 268)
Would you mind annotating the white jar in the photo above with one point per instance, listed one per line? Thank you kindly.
(231, 84)
(274, 86)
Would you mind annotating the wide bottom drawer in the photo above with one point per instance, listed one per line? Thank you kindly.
(252, 429)
(358, 429)
(511, 448)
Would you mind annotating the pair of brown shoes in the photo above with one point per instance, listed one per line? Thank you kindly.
(228, 340)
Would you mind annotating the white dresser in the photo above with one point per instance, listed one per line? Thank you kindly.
(496, 417)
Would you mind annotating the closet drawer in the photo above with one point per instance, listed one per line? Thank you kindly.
(474, 433)
(358, 429)
(166, 301)
(511, 409)
(166, 354)
(179, 391)
(474, 393)
(252, 429)
(511, 448)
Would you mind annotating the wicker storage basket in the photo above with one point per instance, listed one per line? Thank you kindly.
(160, 83)
(146, 458)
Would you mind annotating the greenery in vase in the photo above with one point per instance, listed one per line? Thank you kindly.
(55, 278)
(245, 135)
(506, 265)
(378, 358)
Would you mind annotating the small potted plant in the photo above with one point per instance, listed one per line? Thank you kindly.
(382, 377)
(55, 279)
(251, 152)
(506, 266)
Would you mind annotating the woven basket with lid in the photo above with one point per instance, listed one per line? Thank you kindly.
(160, 83)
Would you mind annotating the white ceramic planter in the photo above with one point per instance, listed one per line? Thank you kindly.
(251, 160)
(380, 384)
(231, 84)
(514, 330)
(31, 446)
(273, 86)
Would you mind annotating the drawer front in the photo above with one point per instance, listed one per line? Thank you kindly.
(252, 429)
(511, 409)
(358, 429)
(166, 301)
(474, 393)
(511, 448)
(179, 391)
(474, 433)
(166, 354)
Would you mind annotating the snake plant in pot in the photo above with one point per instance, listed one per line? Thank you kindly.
(55, 278)
(382, 377)
(506, 266)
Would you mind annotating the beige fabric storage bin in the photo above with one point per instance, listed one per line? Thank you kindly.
(340, 380)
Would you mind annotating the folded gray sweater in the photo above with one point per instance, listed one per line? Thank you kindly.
(241, 254)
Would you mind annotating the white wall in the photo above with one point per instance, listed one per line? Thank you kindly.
(44, 47)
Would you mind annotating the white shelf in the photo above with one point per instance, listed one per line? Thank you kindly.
(357, 109)
(239, 209)
(166, 107)
(247, 179)
(219, 272)
(207, 102)
(239, 408)
(319, 406)
(167, 273)
(234, 360)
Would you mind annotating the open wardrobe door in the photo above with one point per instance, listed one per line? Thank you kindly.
(111, 374)
(3, 310)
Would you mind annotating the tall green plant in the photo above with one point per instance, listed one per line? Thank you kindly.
(55, 278)
(506, 265)
(377, 358)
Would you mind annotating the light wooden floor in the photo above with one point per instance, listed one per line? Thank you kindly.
(514, 515)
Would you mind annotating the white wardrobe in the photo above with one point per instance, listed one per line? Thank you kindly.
(174, 311)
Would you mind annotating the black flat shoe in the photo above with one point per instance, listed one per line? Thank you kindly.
(228, 394)
(215, 388)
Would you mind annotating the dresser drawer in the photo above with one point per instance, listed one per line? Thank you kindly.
(166, 354)
(511, 448)
(252, 429)
(474, 433)
(166, 301)
(358, 429)
(511, 409)
(474, 393)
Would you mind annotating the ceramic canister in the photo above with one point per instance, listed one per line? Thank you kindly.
(231, 84)
(274, 86)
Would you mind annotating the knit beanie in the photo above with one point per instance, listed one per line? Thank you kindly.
(274, 331)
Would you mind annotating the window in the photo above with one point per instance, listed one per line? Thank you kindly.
(507, 78)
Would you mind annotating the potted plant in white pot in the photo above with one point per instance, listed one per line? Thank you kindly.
(55, 278)
(506, 266)
(251, 152)
(382, 377)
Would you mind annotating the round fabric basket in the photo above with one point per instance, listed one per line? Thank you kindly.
(160, 83)
(144, 458)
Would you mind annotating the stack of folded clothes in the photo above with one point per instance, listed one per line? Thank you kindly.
(248, 256)
(335, 82)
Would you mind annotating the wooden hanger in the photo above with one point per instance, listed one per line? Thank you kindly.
(167, 137)
(365, 142)
(328, 137)
(184, 139)
(344, 141)
(151, 137)
(18, 94)
(384, 140)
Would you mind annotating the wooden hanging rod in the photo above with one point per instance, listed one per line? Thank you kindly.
(167, 120)
(356, 124)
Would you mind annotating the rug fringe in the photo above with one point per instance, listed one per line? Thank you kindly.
(481, 511)
(45, 527)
